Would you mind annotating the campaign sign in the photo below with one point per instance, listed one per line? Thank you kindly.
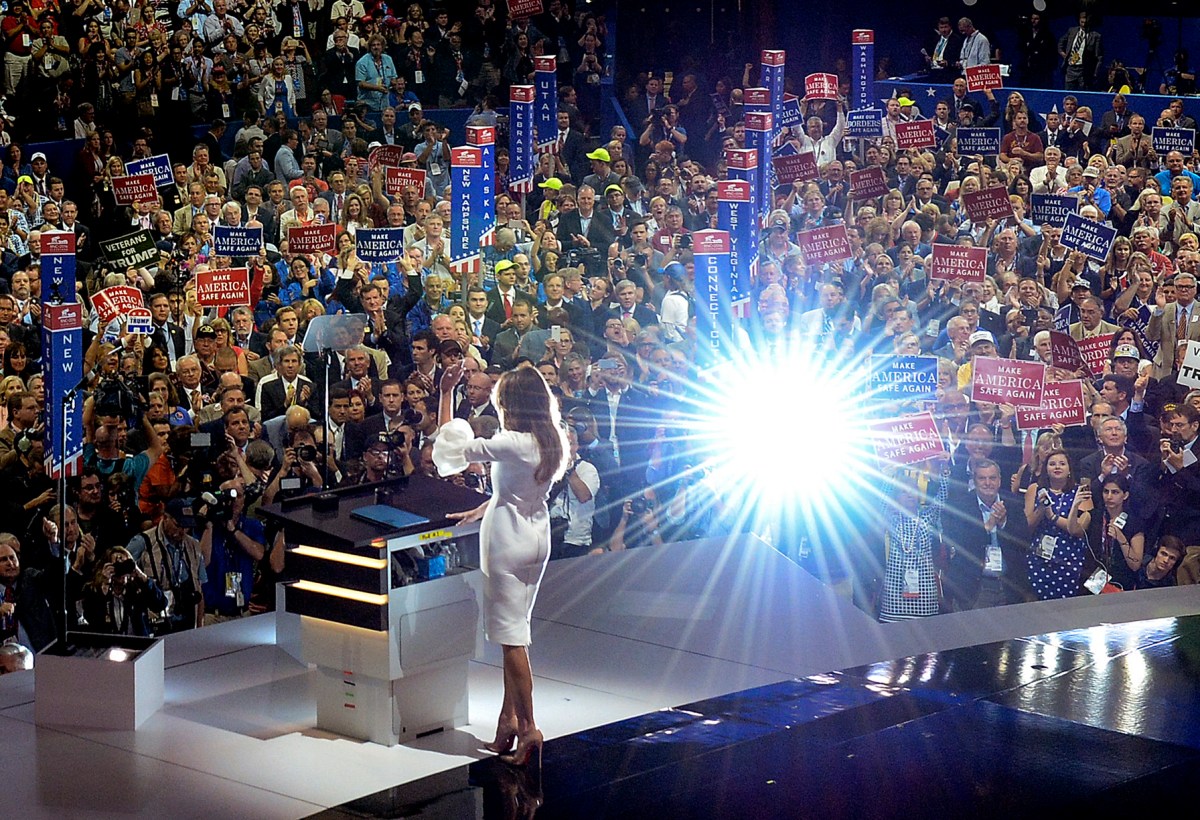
(116, 301)
(1182, 140)
(1052, 209)
(384, 156)
(973, 141)
(951, 262)
(821, 86)
(313, 239)
(1062, 403)
(862, 67)
(395, 180)
(131, 190)
(714, 296)
(545, 104)
(983, 77)
(237, 241)
(789, 114)
(916, 134)
(1093, 239)
(158, 166)
(139, 320)
(865, 123)
(988, 203)
(227, 287)
(907, 440)
(867, 183)
(825, 244)
(1064, 352)
(133, 250)
(379, 244)
(1007, 381)
(1189, 370)
(800, 167)
(1094, 351)
(520, 9)
(904, 378)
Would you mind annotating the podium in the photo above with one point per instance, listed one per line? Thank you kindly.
(390, 636)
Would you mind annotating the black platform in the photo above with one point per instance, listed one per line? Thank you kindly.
(1103, 721)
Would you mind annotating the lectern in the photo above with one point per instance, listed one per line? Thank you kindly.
(386, 613)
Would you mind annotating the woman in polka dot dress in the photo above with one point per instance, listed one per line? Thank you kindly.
(1058, 514)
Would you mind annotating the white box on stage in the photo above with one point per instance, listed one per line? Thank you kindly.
(104, 682)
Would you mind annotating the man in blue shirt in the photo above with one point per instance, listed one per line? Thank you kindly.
(1175, 168)
(374, 72)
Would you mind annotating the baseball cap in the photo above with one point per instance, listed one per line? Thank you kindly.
(1081, 283)
(553, 183)
(779, 219)
(408, 156)
(449, 346)
(502, 266)
(981, 336)
(207, 332)
(904, 101)
(1127, 352)
(600, 154)
(1091, 171)
(36, 156)
(378, 442)
(415, 107)
(180, 509)
(613, 187)
(25, 178)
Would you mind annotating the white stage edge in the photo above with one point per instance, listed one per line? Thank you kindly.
(615, 636)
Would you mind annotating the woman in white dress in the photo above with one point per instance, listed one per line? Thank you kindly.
(527, 455)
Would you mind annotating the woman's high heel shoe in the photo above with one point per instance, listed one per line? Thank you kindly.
(529, 746)
(506, 733)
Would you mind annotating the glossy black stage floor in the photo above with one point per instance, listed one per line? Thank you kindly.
(1103, 721)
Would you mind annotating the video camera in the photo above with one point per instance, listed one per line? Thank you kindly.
(217, 505)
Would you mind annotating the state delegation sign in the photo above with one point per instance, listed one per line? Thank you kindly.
(907, 440)
(228, 287)
(1006, 381)
(952, 262)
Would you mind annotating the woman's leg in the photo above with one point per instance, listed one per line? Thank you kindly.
(518, 686)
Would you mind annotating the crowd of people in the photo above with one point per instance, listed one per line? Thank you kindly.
(191, 427)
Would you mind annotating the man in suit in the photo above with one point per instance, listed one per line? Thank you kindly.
(502, 298)
(183, 217)
(1175, 322)
(1113, 456)
(391, 417)
(572, 150)
(504, 349)
(241, 319)
(1080, 50)
(83, 234)
(1091, 320)
(981, 530)
(166, 333)
(627, 306)
(325, 143)
(1178, 475)
(483, 328)
(287, 388)
(478, 398)
(942, 53)
(652, 100)
(336, 195)
(583, 227)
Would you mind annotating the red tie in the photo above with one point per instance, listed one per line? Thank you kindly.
(507, 306)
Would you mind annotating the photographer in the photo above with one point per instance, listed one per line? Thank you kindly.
(662, 124)
(573, 505)
(120, 598)
(104, 429)
(237, 544)
(638, 526)
(387, 455)
(174, 561)
(23, 427)
(300, 472)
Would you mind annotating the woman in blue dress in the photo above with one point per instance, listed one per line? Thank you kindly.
(1058, 513)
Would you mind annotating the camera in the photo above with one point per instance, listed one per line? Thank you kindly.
(685, 241)
(641, 259)
(114, 398)
(639, 505)
(217, 506)
(1176, 444)
(126, 566)
(306, 452)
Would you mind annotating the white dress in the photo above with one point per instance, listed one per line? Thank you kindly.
(514, 535)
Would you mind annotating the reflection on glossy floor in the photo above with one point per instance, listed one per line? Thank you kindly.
(1102, 721)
